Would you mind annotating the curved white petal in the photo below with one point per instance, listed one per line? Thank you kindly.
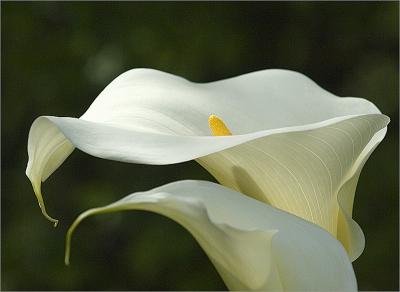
(295, 145)
(47, 150)
(252, 245)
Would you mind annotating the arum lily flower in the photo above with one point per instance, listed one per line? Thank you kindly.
(293, 145)
(252, 245)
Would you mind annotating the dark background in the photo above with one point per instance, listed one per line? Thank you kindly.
(56, 58)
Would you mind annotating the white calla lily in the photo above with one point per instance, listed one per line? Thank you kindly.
(252, 245)
(294, 146)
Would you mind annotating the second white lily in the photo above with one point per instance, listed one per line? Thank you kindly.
(252, 245)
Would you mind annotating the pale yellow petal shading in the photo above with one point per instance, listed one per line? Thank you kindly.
(304, 172)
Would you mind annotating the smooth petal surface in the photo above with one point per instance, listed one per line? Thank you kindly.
(312, 174)
(253, 246)
(294, 145)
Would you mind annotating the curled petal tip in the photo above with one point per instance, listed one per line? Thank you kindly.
(66, 261)
(68, 244)
(70, 232)
(42, 207)
(68, 247)
(51, 219)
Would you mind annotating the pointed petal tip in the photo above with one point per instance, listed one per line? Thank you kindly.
(36, 184)
(66, 259)
(68, 244)
(71, 231)
(47, 216)
(67, 250)
(51, 219)
(387, 119)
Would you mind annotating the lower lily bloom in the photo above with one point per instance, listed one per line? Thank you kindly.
(252, 245)
(279, 138)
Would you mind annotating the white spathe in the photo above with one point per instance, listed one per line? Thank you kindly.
(295, 146)
(252, 245)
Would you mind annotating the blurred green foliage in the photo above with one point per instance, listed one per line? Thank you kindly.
(56, 58)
